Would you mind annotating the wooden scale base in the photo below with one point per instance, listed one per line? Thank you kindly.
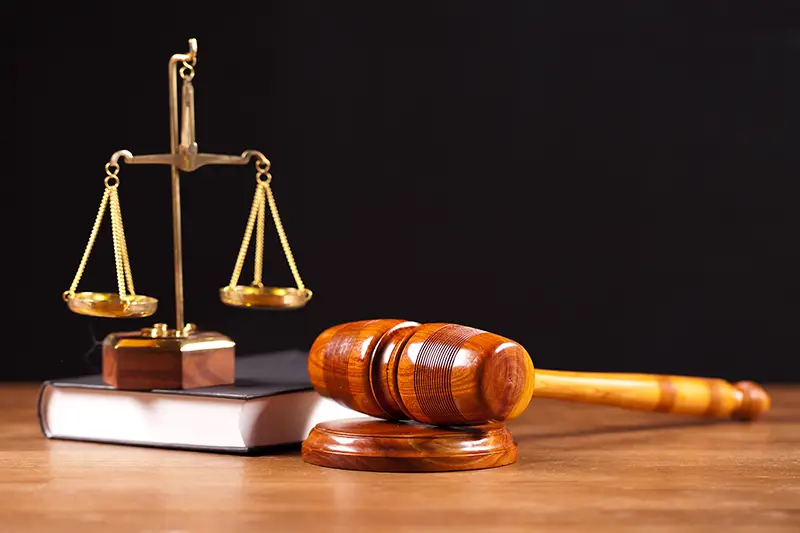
(387, 446)
(161, 358)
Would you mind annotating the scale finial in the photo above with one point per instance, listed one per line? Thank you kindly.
(192, 50)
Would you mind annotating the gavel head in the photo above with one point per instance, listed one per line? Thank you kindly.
(440, 374)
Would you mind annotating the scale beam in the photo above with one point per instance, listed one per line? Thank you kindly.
(187, 162)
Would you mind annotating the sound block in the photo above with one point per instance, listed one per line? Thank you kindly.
(135, 361)
(387, 446)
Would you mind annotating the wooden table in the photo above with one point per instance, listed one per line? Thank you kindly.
(580, 468)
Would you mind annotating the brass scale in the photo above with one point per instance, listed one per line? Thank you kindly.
(185, 156)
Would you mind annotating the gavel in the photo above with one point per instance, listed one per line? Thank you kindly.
(452, 375)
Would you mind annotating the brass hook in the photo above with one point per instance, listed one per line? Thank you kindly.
(192, 55)
(249, 154)
(124, 154)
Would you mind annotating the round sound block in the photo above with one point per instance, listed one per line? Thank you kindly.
(386, 446)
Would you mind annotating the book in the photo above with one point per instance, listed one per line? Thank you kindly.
(271, 404)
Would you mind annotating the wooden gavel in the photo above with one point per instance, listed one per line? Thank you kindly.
(451, 375)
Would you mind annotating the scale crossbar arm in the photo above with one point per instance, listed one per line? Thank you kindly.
(179, 161)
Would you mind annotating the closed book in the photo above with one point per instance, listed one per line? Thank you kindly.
(270, 404)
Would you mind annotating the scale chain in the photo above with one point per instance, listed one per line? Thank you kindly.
(116, 232)
(257, 217)
(125, 260)
(282, 234)
(259, 256)
(123, 267)
(248, 232)
(89, 245)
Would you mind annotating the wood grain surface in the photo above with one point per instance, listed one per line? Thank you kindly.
(580, 468)
(443, 374)
(706, 397)
(390, 446)
(134, 362)
(448, 374)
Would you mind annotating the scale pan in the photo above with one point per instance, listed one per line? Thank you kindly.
(264, 297)
(109, 305)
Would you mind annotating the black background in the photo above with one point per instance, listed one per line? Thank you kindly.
(614, 185)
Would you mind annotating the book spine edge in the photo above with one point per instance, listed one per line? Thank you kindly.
(40, 408)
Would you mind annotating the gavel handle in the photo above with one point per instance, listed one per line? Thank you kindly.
(714, 398)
